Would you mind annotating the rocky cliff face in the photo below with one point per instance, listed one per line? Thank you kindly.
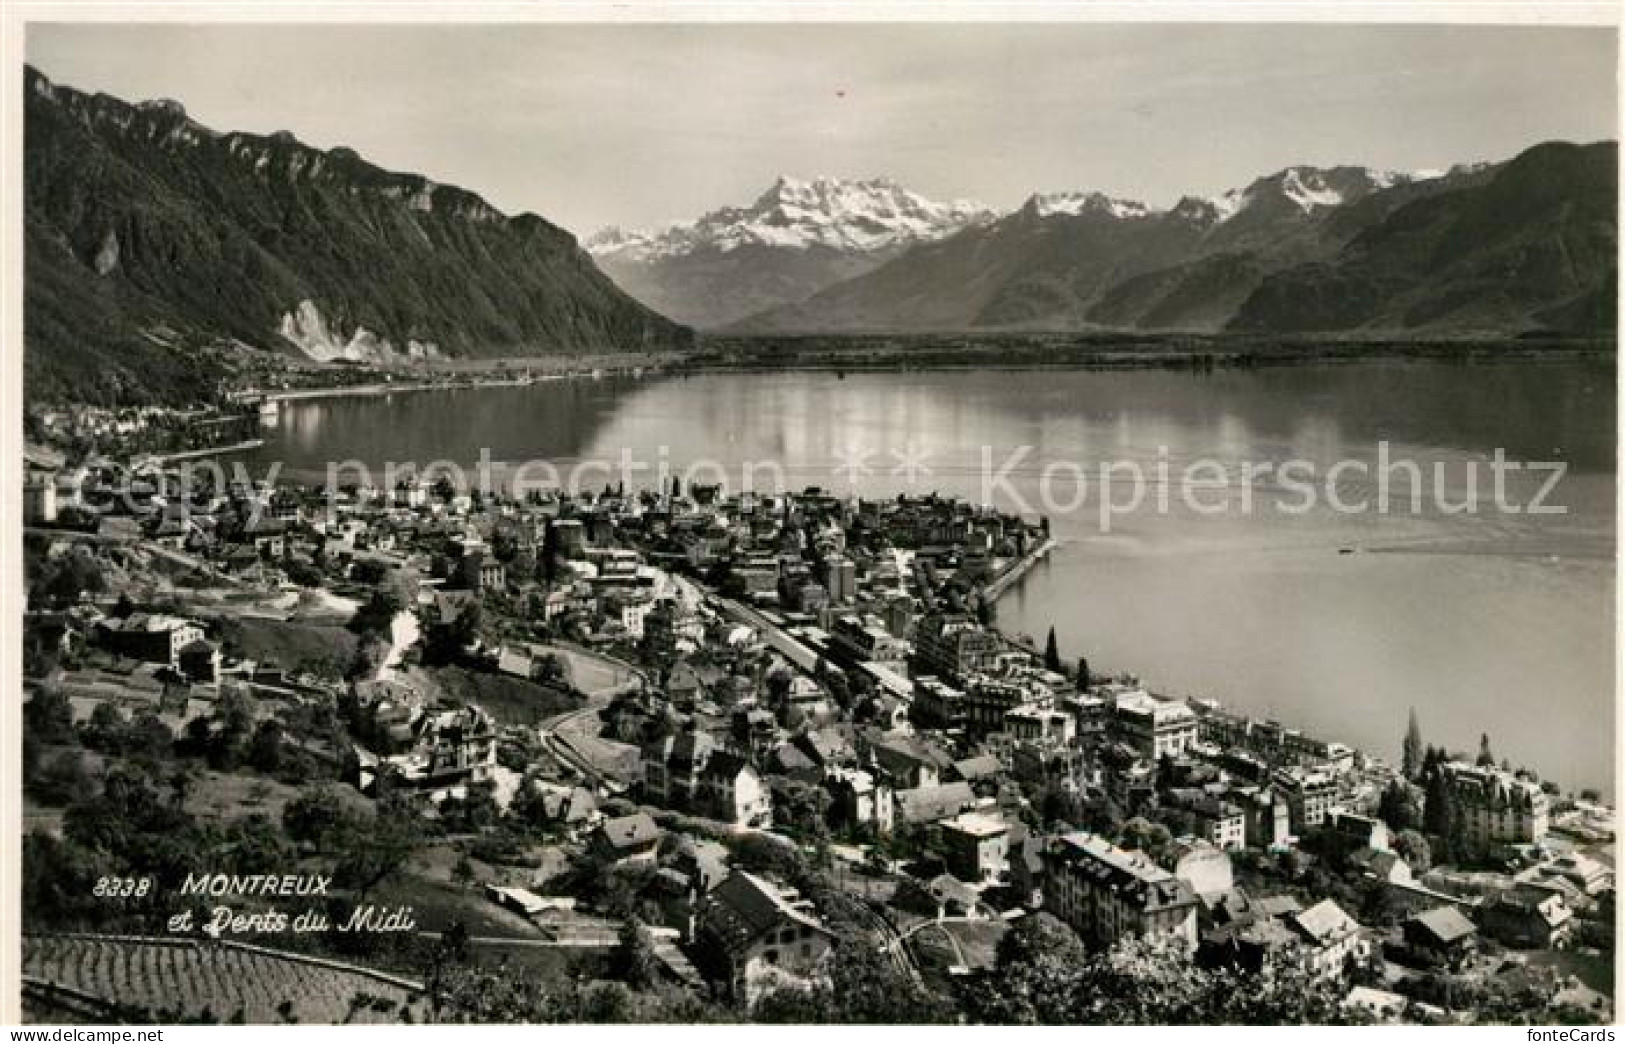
(147, 233)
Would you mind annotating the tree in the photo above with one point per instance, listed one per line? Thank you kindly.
(551, 553)
(1399, 806)
(1052, 653)
(1083, 672)
(319, 817)
(1438, 808)
(864, 988)
(105, 731)
(48, 716)
(1039, 937)
(233, 727)
(57, 878)
(265, 749)
(1411, 754)
(476, 810)
(150, 737)
(135, 828)
(1143, 835)
(635, 955)
(304, 574)
(64, 580)
(1144, 981)
(380, 846)
(1412, 847)
(805, 807)
(61, 780)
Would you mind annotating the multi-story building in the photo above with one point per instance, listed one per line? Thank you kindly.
(1527, 916)
(761, 937)
(672, 767)
(569, 536)
(906, 761)
(975, 847)
(1037, 724)
(1216, 820)
(1270, 740)
(634, 610)
(857, 799)
(688, 771)
(730, 790)
(661, 625)
(953, 647)
(987, 701)
(865, 640)
(1330, 937)
(1311, 795)
(151, 637)
(840, 579)
(1155, 727)
(1106, 893)
(39, 497)
(937, 705)
(436, 752)
(1493, 807)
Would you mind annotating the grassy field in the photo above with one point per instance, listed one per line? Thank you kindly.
(937, 953)
(436, 863)
(437, 905)
(545, 963)
(511, 701)
(222, 797)
(327, 649)
(589, 673)
(1596, 970)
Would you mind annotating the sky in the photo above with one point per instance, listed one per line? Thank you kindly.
(643, 124)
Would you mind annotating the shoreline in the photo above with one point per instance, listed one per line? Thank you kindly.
(1025, 357)
(165, 459)
(996, 359)
(374, 389)
(1017, 571)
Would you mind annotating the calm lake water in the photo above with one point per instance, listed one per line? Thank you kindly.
(1337, 621)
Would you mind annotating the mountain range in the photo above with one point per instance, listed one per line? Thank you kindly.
(150, 237)
(796, 238)
(1509, 248)
(155, 247)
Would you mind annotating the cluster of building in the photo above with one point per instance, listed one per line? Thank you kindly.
(822, 667)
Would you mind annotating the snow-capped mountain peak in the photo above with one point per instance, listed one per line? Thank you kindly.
(1309, 189)
(799, 214)
(611, 238)
(1076, 204)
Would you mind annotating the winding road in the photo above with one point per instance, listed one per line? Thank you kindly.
(573, 737)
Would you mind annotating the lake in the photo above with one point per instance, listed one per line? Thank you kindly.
(1240, 585)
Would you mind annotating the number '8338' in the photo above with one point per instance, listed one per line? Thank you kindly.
(122, 887)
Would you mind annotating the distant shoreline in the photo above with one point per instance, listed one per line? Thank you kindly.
(884, 353)
(376, 388)
(164, 459)
(993, 353)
